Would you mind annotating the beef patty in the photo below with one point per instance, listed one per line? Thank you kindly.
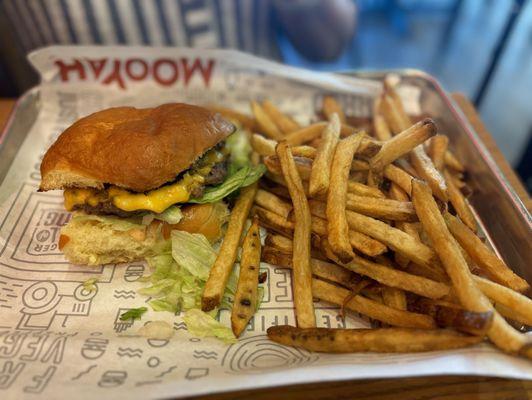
(215, 176)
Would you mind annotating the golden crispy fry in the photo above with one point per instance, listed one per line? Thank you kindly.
(452, 162)
(403, 143)
(265, 123)
(380, 127)
(321, 167)
(399, 194)
(359, 189)
(283, 121)
(263, 146)
(519, 306)
(236, 117)
(338, 230)
(399, 177)
(394, 238)
(394, 297)
(222, 267)
(373, 309)
(302, 273)
(381, 208)
(426, 170)
(306, 134)
(303, 165)
(384, 340)
(358, 241)
(271, 220)
(483, 256)
(500, 333)
(279, 242)
(419, 159)
(437, 149)
(391, 115)
(320, 269)
(394, 277)
(330, 106)
(389, 90)
(245, 301)
(273, 203)
(460, 203)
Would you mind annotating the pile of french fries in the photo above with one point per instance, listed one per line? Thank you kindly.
(376, 223)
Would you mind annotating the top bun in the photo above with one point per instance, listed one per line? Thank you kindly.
(135, 148)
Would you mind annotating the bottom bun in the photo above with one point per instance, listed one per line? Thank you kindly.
(93, 240)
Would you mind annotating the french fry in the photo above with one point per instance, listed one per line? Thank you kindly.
(426, 170)
(484, 257)
(222, 267)
(459, 203)
(391, 115)
(263, 146)
(279, 242)
(419, 159)
(321, 269)
(273, 203)
(274, 221)
(235, 116)
(403, 143)
(306, 134)
(381, 208)
(303, 166)
(520, 306)
(437, 149)
(451, 315)
(302, 273)
(399, 177)
(394, 238)
(265, 123)
(337, 228)
(395, 278)
(500, 333)
(394, 297)
(389, 90)
(373, 309)
(359, 189)
(452, 162)
(283, 121)
(380, 127)
(330, 106)
(321, 167)
(389, 340)
(245, 301)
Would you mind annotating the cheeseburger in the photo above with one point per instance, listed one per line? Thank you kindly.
(130, 176)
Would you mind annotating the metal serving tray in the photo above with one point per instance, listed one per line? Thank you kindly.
(501, 214)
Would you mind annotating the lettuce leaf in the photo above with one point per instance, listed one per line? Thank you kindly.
(203, 325)
(245, 176)
(193, 252)
(117, 223)
(172, 215)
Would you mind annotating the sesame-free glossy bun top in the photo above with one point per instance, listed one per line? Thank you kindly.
(135, 148)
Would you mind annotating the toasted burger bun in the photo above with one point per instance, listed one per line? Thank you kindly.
(137, 149)
(89, 242)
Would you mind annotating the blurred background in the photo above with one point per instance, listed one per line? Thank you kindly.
(482, 48)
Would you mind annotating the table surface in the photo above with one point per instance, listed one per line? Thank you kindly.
(440, 387)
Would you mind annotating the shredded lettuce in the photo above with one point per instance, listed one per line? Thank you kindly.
(203, 325)
(245, 176)
(133, 314)
(193, 252)
(172, 215)
(90, 284)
